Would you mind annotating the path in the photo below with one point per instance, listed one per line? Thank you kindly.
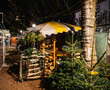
(7, 82)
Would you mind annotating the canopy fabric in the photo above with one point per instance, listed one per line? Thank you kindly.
(77, 28)
(101, 44)
(53, 27)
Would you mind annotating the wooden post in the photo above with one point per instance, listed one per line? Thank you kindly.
(43, 47)
(43, 58)
(93, 48)
(54, 42)
(21, 65)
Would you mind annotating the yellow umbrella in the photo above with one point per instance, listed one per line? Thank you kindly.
(53, 27)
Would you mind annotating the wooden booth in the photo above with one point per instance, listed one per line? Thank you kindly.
(53, 42)
(52, 48)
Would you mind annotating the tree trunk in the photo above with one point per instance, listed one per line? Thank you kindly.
(88, 27)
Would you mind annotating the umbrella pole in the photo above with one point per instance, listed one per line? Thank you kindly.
(72, 49)
(54, 41)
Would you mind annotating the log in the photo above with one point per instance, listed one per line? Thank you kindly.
(34, 69)
(34, 60)
(33, 65)
(31, 74)
(51, 67)
(35, 77)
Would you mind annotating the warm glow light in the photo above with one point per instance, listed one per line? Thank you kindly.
(33, 25)
(21, 31)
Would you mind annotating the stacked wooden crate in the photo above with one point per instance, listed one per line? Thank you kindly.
(31, 66)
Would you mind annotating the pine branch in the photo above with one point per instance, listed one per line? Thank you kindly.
(85, 62)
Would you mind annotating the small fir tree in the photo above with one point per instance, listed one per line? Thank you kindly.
(76, 75)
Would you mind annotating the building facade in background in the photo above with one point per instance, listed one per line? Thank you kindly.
(102, 16)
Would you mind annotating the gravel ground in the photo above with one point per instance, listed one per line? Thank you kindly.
(9, 76)
(7, 82)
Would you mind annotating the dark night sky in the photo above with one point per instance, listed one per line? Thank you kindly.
(3, 5)
(37, 11)
(34, 10)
